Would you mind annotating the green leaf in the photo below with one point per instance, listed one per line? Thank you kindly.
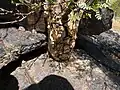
(14, 1)
(98, 16)
(51, 1)
(89, 15)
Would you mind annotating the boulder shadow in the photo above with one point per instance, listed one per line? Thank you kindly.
(51, 82)
(107, 65)
(9, 83)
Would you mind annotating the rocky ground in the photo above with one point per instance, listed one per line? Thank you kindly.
(42, 73)
(25, 65)
(82, 73)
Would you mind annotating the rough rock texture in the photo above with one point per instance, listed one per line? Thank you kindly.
(104, 48)
(16, 43)
(109, 41)
(83, 73)
(93, 26)
(2, 51)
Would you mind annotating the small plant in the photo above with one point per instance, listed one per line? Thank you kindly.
(62, 21)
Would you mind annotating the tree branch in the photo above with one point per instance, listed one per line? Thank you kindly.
(19, 20)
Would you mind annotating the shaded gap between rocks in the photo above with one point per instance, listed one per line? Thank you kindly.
(107, 65)
(10, 67)
(85, 43)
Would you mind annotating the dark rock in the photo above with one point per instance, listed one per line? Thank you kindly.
(110, 39)
(109, 42)
(94, 51)
(19, 46)
(93, 26)
(105, 48)
(19, 43)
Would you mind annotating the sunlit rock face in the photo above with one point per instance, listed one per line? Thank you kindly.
(93, 26)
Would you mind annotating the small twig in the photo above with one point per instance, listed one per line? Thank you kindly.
(15, 21)
(4, 10)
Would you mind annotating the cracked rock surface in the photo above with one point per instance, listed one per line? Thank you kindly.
(82, 73)
(14, 42)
